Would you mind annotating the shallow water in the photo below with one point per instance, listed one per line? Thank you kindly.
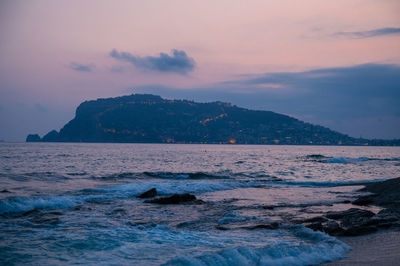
(76, 203)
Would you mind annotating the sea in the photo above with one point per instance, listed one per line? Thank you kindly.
(76, 203)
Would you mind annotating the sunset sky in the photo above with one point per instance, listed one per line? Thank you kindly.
(333, 63)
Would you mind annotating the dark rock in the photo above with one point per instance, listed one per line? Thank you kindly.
(359, 230)
(151, 193)
(272, 225)
(387, 218)
(364, 200)
(389, 215)
(268, 207)
(223, 228)
(332, 228)
(54, 213)
(353, 212)
(349, 222)
(372, 221)
(317, 226)
(33, 138)
(318, 219)
(316, 156)
(354, 221)
(30, 212)
(45, 220)
(359, 222)
(386, 225)
(174, 199)
(5, 191)
(387, 193)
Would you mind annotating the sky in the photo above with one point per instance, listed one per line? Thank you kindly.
(332, 63)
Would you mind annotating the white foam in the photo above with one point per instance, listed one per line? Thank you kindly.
(22, 204)
(234, 217)
(178, 186)
(322, 183)
(275, 253)
(166, 187)
(345, 160)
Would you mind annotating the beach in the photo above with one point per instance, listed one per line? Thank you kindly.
(381, 247)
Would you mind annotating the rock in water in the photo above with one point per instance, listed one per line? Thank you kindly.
(174, 199)
(350, 213)
(151, 193)
(364, 200)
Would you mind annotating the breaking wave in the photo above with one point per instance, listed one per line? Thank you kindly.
(316, 248)
(24, 204)
(344, 160)
(324, 183)
(194, 175)
(164, 187)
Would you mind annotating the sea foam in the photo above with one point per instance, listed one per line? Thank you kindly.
(320, 248)
(123, 191)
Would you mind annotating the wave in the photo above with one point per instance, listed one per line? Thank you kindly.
(344, 160)
(24, 204)
(315, 157)
(152, 244)
(323, 183)
(322, 248)
(38, 176)
(205, 175)
(226, 174)
(189, 175)
(179, 186)
(168, 175)
(164, 187)
(234, 217)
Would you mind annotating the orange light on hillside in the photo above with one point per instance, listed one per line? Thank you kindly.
(232, 141)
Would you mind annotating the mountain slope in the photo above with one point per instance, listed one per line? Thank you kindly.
(148, 118)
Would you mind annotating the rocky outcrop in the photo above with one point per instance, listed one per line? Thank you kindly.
(33, 138)
(353, 212)
(174, 199)
(385, 194)
(351, 222)
(355, 221)
(151, 193)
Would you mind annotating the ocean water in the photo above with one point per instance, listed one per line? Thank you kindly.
(74, 203)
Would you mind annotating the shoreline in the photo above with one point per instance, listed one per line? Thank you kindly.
(213, 143)
(380, 247)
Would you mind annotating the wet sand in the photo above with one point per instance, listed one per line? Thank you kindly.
(381, 248)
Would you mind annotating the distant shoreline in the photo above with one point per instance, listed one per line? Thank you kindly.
(222, 144)
(146, 118)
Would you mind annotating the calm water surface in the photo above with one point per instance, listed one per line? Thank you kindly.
(76, 203)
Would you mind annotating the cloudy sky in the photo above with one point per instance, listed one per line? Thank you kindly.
(333, 63)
